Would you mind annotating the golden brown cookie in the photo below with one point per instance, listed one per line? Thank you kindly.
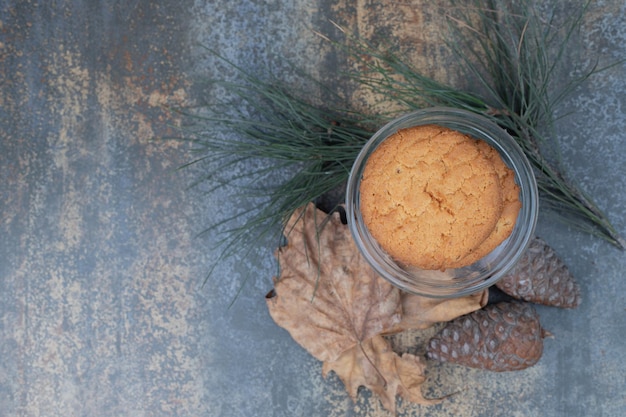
(430, 196)
(510, 209)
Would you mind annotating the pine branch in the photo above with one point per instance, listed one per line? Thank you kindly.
(508, 51)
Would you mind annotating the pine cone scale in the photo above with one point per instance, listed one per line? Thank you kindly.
(541, 277)
(500, 337)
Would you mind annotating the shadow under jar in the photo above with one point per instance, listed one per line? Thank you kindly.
(447, 282)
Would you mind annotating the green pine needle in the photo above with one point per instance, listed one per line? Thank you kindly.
(514, 53)
(267, 131)
(314, 145)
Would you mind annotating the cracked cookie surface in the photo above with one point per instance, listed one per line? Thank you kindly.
(511, 206)
(431, 196)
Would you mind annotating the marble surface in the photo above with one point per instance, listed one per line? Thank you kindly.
(103, 311)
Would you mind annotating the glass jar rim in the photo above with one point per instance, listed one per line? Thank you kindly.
(461, 281)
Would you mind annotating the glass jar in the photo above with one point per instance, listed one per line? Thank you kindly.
(452, 282)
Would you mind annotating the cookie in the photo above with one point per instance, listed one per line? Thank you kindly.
(430, 196)
(510, 209)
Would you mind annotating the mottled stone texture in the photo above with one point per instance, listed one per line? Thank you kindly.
(102, 307)
(95, 288)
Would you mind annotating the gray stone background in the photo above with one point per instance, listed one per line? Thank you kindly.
(102, 307)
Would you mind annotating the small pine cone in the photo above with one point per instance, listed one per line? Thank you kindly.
(500, 337)
(541, 277)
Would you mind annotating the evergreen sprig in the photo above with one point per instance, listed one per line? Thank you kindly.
(512, 51)
(287, 152)
(514, 54)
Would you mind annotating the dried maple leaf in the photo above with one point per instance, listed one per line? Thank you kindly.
(337, 307)
(422, 312)
(328, 297)
(375, 365)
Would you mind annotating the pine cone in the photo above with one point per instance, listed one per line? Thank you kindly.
(541, 277)
(500, 337)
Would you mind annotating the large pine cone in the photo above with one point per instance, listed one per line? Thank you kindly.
(541, 277)
(500, 337)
